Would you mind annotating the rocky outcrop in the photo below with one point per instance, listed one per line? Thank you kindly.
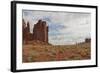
(87, 40)
(40, 31)
(26, 31)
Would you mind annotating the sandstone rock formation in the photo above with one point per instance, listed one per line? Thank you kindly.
(40, 31)
(87, 40)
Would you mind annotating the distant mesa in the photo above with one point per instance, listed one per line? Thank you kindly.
(87, 40)
(40, 32)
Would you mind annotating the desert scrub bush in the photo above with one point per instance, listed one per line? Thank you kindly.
(29, 59)
(78, 57)
(83, 53)
(33, 53)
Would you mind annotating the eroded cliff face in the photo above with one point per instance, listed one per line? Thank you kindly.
(40, 31)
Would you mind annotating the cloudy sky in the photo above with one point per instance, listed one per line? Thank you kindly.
(64, 27)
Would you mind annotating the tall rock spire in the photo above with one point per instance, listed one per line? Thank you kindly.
(40, 31)
(28, 27)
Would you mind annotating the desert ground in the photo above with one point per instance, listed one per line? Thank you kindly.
(36, 51)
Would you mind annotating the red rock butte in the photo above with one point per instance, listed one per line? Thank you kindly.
(40, 31)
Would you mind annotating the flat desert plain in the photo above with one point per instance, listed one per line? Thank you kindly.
(36, 51)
